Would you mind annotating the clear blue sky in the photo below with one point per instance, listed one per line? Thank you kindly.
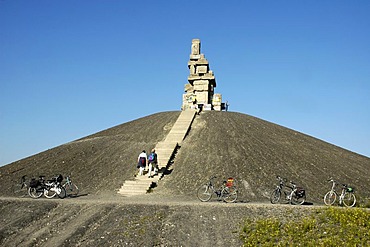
(72, 68)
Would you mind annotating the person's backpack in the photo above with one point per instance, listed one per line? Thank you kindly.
(151, 157)
(142, 161)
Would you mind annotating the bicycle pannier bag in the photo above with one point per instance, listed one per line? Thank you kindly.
(59, 178)
(350, 189)
(230, 182)
(300, 192)
(34, 183)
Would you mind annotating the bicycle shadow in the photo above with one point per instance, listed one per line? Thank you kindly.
(76, 196)
(249, 201)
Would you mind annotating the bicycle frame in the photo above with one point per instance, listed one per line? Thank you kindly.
(212, 187)
(68, 181)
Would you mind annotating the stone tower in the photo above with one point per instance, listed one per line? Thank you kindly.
(199, 92)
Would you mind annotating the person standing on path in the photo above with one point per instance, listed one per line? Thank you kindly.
(153, 163)
(142, 162)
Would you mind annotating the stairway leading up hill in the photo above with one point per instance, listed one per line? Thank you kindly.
(141, 184)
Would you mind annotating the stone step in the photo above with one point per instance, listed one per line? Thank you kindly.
(168, 149)
(166, 144)
(184, 122)
(131, 193)
(184, 128)
(127, 184)
(175, 138)
(164, 157)
(165, 149)
(131, 190)
(140, 179)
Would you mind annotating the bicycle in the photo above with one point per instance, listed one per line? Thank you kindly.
(228, 191)
(49, 188)
(296, 195)
(20, 189)
(346, 197)
(71, 188)
(36, 188)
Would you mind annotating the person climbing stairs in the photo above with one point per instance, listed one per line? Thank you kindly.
(165, 150)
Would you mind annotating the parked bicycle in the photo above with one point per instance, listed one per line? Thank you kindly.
(288, 194)
(20, 188)
(71, 188)
(49, 188)
(228, 191)
(346, 197)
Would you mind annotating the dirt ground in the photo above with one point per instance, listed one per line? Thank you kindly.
(110, 220)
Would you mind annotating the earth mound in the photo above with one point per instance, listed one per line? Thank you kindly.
(224, 144)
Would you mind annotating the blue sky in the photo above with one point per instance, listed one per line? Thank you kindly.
(72, 68)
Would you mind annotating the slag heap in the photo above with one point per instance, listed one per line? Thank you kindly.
(199, 92)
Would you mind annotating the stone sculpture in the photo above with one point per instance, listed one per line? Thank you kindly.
(199, 91)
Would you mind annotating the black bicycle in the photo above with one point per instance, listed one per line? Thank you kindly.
(228, 191)
(288, 194)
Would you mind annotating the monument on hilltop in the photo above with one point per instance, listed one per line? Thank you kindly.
(199, 92)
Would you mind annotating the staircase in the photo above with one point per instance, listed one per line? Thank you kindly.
(165, 150)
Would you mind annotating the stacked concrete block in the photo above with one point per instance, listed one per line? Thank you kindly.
(217, 99)
(202, 97)
(200, 89)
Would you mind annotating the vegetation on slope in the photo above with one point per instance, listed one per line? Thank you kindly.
(325, 227)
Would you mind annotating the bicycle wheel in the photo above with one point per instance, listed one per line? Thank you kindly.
(275, 196)
(330, 198)
(204, 193)
(229, 194)
(61, 191)
(298, 200)
(71, 189)
(349, 200)
(35, 192)
(50, 192)
(20, 190)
